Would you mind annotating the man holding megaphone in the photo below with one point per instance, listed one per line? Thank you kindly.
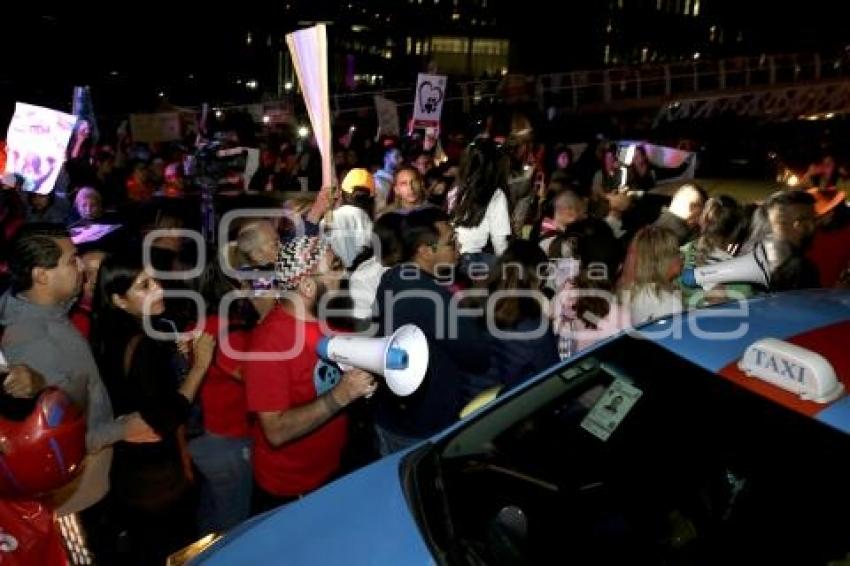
(299, 433)
(410, 295)
(777, 260)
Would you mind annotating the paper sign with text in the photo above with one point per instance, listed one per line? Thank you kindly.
(37, 142)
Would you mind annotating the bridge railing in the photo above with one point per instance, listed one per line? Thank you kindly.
(580, 88)
(602, 87)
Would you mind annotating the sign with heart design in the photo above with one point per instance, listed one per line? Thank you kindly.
(430, 95)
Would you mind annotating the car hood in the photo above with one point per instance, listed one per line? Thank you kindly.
(362, 518)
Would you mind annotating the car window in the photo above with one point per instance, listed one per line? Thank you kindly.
(633, 454)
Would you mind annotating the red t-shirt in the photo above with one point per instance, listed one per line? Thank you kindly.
(222, 394)
(306, 463)
(830, 251)
(81, 317)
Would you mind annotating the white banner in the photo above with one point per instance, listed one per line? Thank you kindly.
(153, 128)
(387, 117)
(252, 160)
(670, 164)
(430, 95)
(37, 142)
(309, 50)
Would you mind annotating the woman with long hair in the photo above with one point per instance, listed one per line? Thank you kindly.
(481, 215)
(151, 483)
(649, 283)
(640, 177)
(756, 226)
(721, 224)
(586, 307)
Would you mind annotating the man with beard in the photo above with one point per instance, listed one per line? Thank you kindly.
(46, 278)
(299, 433)
(792, 224)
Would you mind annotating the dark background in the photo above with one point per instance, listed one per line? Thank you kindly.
(192, 51)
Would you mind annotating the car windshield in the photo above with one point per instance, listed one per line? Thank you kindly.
(632, 454)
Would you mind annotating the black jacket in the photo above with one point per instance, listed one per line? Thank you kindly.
(515, 360)
(455, 358)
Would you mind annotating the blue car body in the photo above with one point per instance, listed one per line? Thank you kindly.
(365, 518)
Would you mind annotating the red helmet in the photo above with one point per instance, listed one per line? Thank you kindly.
(42, 452)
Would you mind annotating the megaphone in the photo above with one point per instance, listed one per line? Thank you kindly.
(402, 359)
(751, 268)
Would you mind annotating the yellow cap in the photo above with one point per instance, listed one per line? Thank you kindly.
(358, 179)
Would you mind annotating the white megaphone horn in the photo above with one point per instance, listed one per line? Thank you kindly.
(751, 268)
(402, 359)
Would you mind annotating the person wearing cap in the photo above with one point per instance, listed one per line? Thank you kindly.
(830, 249)
(299, 432)
(349, 228)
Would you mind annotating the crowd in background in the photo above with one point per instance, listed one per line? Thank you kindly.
(186, 437)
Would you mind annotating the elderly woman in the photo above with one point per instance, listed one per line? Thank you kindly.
(88, 205)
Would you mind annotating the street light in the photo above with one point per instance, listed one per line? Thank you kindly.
(303, 132)
(287, 85)
(266, 119)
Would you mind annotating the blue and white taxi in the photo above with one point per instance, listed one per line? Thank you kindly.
(715, 436)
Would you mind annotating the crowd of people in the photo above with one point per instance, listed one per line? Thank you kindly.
(506, 254)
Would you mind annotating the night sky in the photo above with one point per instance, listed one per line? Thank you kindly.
(128, 58)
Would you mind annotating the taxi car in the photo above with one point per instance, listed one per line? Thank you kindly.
(691, 440)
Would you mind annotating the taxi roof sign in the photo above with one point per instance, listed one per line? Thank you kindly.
(795, 369)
